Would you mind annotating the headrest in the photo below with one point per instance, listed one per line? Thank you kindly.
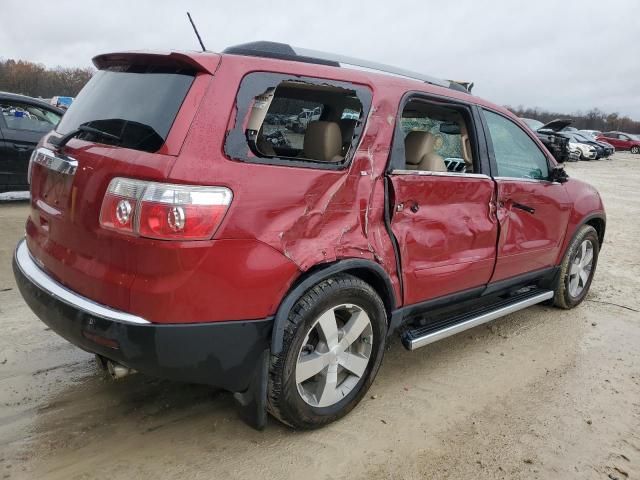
(417, 144)
(323, 141)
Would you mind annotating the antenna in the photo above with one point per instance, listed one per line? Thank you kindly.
(196, 30)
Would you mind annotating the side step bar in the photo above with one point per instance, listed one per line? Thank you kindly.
(421, 336)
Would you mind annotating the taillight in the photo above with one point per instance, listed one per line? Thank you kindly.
(164, 211)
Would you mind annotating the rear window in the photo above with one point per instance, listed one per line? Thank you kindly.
(297, 121)
(137, 104)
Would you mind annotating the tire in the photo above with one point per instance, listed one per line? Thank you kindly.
(575, 275)
(313, 402)
(635, 150)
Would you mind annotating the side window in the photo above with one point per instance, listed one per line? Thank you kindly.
(297, 121)
(516, 154)
(22, 116)
(436, 138)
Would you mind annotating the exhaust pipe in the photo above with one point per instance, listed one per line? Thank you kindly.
(116, 370)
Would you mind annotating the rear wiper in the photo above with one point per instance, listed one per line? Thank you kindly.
(62, 141)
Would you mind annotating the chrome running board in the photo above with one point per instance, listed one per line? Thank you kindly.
(421, 336)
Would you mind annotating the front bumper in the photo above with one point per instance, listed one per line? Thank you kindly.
(222, 354)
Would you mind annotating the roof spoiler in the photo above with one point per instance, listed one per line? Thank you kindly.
(201, 62)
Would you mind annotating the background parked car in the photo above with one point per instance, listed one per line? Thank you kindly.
(61, 102)
(23, 122)
(299, 124)
(600, 150)
(591, 133)
(622, 141)
(574, 152)
(548, 134)
(608, 148)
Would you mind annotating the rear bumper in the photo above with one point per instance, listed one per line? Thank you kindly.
(222, 354)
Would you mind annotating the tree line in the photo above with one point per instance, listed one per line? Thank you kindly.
(594, 119)
(36, 80)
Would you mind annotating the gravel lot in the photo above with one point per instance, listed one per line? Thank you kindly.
(542, 393)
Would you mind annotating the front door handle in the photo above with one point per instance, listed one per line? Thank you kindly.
(526, 208)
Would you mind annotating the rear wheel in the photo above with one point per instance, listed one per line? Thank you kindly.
(332, 350)
(635, 149)
(577, 268)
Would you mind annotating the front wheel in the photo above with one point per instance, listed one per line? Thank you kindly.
(577, 268)
(332, 349)
(635, 149)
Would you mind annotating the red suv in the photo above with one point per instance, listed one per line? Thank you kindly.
(179, 228)
(622, 141)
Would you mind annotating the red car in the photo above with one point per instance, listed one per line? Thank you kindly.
(621, 141)
(169, 234)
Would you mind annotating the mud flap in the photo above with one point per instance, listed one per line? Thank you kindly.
(253, 401)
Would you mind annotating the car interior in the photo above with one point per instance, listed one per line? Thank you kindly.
(305, 122)
(436, 138)
(18, 116)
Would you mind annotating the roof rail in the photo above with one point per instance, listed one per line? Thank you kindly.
(284, 51)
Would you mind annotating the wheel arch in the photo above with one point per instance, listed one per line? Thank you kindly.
(366, 270)
(599, 223)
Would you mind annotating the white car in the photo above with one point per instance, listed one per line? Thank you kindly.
(585, 152)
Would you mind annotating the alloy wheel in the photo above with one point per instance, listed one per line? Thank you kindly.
(580, 268)
(334, 355)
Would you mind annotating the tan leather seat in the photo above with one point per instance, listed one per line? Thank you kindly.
(419, 152)
(323, 142)
(466, 147)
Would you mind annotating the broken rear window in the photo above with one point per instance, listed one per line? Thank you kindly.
(297, 121)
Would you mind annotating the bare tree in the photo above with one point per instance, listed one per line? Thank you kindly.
(594, 119)
(36, 80)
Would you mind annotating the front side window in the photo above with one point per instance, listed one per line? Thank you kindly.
(22, 116)
(297, 121)
(436, 138)
(515, 152)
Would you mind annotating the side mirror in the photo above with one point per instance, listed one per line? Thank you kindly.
(558, 174)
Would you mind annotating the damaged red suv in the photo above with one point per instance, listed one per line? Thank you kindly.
(180, 228)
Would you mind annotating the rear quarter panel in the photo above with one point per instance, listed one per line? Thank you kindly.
(310, 216)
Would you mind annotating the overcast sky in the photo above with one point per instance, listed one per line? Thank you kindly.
(565, 56)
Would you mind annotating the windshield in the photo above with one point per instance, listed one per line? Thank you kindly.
(137, 104)
(532, 124)
(580, 136)
(634, 137)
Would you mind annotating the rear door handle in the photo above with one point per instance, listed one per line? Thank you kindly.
(526, 208)
(20, 148)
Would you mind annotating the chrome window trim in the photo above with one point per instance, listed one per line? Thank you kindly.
(529, 180)
(429, 173)
(30, 269)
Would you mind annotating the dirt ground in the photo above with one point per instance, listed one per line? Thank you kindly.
(542, 393)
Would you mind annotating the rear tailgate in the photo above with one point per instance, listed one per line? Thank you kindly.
(148, 102)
